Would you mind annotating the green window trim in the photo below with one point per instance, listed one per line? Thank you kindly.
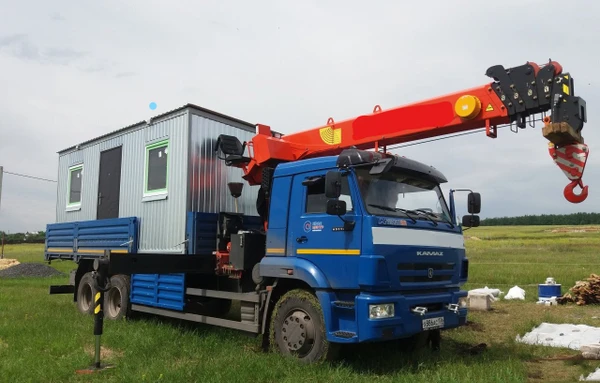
(149, 147)
(72, 169)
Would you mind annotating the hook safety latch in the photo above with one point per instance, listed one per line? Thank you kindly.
(570, 194)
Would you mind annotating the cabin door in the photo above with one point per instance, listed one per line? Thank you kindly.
(109, 183)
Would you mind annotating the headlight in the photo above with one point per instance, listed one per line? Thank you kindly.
(381, 311)
(462, 302)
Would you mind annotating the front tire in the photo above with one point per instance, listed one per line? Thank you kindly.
(298, 328)
(116, 299)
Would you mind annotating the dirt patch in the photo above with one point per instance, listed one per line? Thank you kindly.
(6, 263)
(105, 352)
(473, 238)
(575, 230)
(474, 326)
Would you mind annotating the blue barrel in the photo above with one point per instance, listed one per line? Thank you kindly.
(547, 291)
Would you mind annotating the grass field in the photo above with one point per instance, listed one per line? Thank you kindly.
(44, 339)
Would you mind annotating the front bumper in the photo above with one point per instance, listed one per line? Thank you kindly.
(347, 323)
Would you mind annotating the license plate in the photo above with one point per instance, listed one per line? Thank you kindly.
(432, 323)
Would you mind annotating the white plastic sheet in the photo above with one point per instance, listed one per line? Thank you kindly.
(593, 377)
(561, 335)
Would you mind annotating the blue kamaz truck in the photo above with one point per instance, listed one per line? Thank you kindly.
(334, 240)
(339, 261)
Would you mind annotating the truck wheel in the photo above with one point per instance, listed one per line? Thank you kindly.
(85, 294)
(298, 328)
(116, 299)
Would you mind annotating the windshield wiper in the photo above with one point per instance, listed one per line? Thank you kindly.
(394, 209)
(427, 214)
(441, 216)
(407, 213)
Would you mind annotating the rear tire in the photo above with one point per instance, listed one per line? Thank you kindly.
(298, 328)
(116, 299)
(85, 294)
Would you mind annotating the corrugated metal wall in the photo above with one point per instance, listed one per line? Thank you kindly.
(209, 176)
(162, 222)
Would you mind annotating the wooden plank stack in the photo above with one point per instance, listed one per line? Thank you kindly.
(584, 292)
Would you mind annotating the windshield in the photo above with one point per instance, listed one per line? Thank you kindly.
(395, 193)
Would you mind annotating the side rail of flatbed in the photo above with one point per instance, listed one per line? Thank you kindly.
(90, 239)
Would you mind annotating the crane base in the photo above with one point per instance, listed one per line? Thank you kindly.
(561, 134)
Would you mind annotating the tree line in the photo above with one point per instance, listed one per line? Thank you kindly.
(11, 239)
(545, 219)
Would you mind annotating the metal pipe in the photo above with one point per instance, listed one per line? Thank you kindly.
(98, 324)
(100, 277)
(97, 356)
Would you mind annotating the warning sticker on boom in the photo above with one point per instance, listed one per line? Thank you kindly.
(489, 108)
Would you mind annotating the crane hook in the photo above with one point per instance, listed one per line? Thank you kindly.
(571, 196)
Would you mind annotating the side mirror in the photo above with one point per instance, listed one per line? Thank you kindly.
(336, 207)
(470, 221)
(474, 203)
(333, 185)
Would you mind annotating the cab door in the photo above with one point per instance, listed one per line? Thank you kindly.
(319, 237)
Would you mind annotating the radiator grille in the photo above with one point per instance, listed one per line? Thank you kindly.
(426, 272)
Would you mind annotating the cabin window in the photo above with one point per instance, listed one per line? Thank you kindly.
(316, 202)
(74, 187)
(157, 161)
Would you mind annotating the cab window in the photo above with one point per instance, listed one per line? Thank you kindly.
(316, 202)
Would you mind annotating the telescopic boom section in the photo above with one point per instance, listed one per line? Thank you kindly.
(515, 96)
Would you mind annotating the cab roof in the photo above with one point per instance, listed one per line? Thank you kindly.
(353, 157)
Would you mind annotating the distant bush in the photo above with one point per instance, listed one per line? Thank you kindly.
(545, 219)
(12, 239)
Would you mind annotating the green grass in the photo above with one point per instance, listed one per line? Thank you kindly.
(44, 339)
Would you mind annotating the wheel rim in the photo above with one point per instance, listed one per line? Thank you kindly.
(113, 305)
(298, 332)
(86, 297)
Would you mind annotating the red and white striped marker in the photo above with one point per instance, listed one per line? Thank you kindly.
(571, 159)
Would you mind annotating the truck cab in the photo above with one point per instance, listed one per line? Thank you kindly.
(375, 241)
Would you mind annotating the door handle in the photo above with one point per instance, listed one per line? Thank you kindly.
(302, 239)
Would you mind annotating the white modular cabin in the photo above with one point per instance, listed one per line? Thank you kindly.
(157, 171)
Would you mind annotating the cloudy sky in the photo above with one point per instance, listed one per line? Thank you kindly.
(73, 70)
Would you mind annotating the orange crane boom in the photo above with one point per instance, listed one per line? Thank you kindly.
(515, 95)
